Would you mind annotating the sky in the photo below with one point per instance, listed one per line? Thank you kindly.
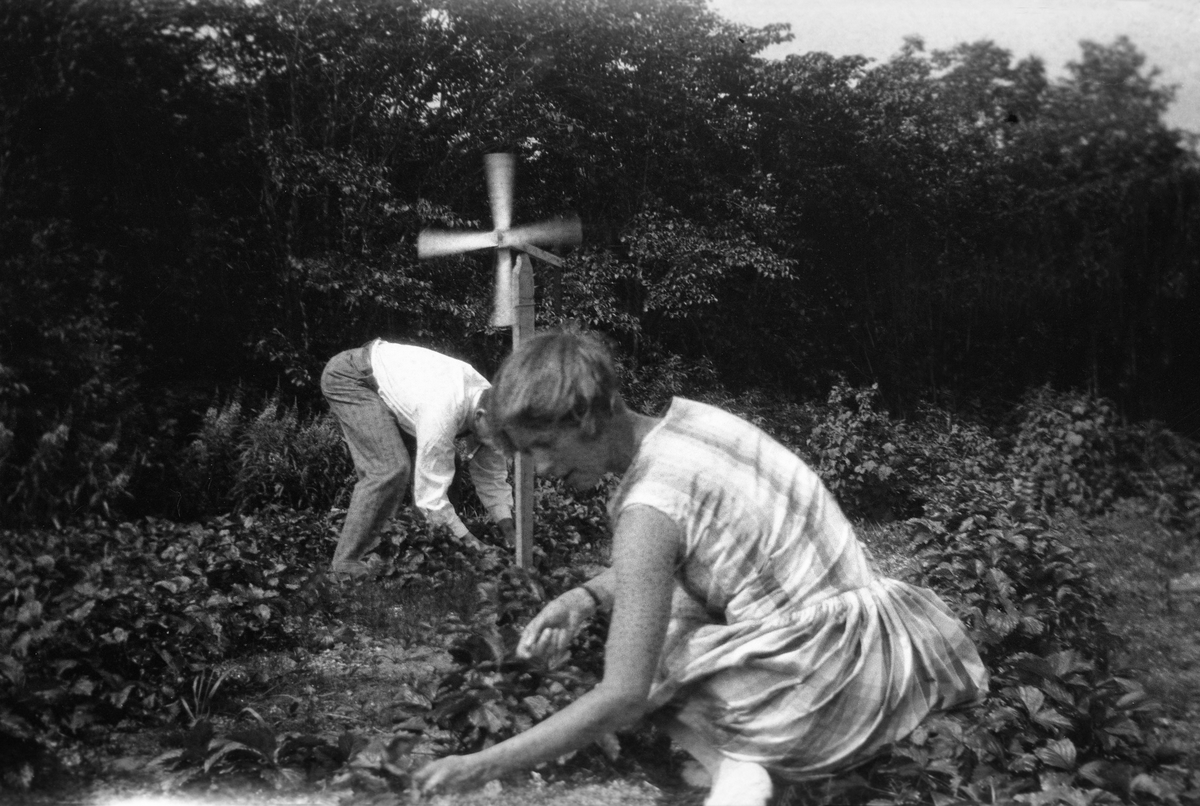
(1166, 31)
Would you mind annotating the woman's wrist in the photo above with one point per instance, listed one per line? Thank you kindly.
(592, 596)
(488, 765)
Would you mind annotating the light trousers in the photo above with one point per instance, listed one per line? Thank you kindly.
(377, 446)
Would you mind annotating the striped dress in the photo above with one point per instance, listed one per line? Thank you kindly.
(784, 647)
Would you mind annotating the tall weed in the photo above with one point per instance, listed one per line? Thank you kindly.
(242, 461)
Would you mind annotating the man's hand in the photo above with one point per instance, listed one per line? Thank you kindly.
(509, 530)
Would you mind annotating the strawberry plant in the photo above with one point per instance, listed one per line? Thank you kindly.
(1065, 452)
(103, 623)
(1015, 585)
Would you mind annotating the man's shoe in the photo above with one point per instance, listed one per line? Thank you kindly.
(352, 570)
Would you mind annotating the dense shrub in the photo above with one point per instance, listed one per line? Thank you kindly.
(856, 449)
(879, 466)
(1013, 582)
(1059, 725)
(1064, 452)
(567, 522)
(241, 460)
(65, 383)
(1071, 450)
(107, 622)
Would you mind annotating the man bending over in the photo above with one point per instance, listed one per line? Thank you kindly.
(382, 389)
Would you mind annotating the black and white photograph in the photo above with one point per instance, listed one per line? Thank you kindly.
(600, 402)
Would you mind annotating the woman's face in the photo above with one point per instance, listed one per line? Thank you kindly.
(563, 453)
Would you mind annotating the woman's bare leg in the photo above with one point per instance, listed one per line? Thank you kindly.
(734, 783)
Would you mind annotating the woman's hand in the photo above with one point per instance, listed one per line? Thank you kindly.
(551, 631)
(451, 773)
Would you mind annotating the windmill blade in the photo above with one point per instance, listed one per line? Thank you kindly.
(435, 243)
(502, 302)
(565, 231)
(500, 188)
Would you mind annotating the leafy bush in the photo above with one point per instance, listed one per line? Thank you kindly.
(1058, 725)
(568, 523)
(855, 450)
(241, 461)
(291, 461)
(104, 623)
(256, 755)
(1070, 450)
(1015, 585)
(1065, 451)
(493, 695)
(649, 386)
(65, 384)
(879, 467)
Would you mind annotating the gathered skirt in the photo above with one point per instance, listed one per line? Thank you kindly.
(819, 689)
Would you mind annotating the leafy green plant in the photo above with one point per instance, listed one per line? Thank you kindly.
(492, 695)
(257, 754)
(1001, 565)
(106, 623)
(1058, 725)
(204, 690)
(242, 461)
(855, 448)
(1065, 451)
(207, 467)
(290, 460)
(569, 524)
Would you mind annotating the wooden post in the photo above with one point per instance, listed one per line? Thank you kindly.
(522, 329)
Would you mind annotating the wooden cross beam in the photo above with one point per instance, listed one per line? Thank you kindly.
(512, 304)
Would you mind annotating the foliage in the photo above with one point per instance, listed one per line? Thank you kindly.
(568, 524)
(243, 461)
(104, 623)
(1071, 450)
(64, 384)
(1065, 453)
(854, 450)
(257, 754)
(85, 631)
(493, 695)
(1165, 469)
(1057, 726)
(882, 467)
(1016, 586)
(199, 194)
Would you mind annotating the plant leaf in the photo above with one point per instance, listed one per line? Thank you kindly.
(1032, 698)
(1058, 753)
(1050, 718)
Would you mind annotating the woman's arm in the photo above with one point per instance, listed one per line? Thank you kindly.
(646, 547)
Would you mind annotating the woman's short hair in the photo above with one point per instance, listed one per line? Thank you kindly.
(557, 378)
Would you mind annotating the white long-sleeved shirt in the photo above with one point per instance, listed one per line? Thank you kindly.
(434, 398)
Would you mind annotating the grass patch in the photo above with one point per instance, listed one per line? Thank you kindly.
(1134, 559)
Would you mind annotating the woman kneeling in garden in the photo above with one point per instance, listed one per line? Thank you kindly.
(746, 620)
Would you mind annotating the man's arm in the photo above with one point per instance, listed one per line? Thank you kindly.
(489, 474)
(433, 472)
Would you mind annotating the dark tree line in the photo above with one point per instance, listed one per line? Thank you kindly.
(196, 195)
